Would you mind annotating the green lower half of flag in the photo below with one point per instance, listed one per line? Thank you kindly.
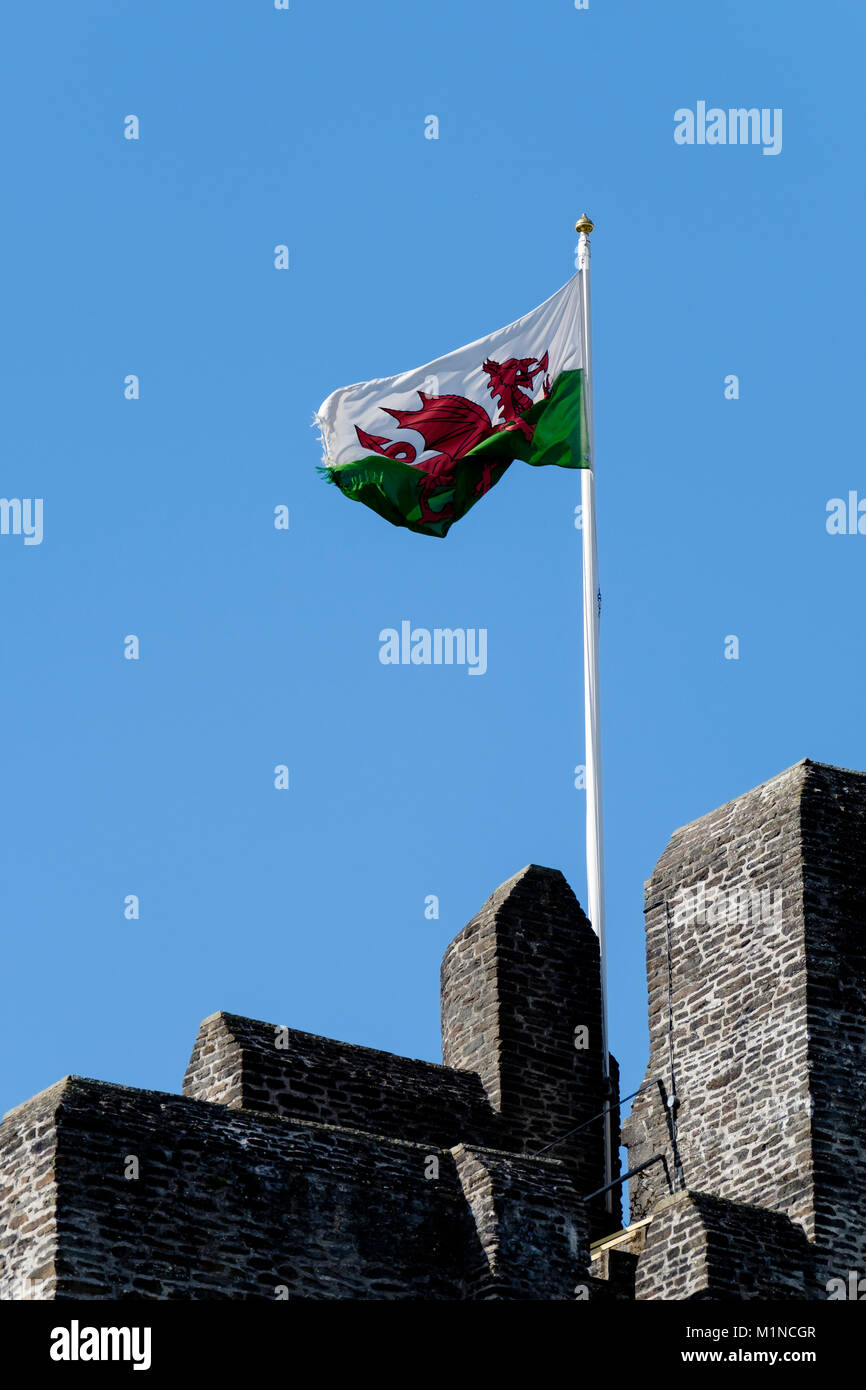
(553, 432)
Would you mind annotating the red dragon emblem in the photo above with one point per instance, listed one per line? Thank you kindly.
(452, 425)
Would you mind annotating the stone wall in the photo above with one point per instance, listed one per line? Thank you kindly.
(521, 1007)
(296, 1166)
(241, 1062)
(161, 1197)
(300, 1167)
(700, 1246)
(28, 1197)
(530, 1232)
(738, 1048)
(833, 825)
(758, 1025)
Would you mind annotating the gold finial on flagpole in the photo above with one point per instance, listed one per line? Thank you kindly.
(584, 225)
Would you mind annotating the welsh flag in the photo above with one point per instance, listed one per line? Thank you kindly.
(421, 448)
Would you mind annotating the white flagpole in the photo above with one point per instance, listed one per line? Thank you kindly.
(592, 712)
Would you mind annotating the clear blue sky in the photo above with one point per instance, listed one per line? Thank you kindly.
(259, 647)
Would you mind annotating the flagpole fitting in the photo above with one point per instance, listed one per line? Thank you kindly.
(584, 226)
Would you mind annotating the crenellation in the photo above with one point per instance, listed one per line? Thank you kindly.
(297, 1166)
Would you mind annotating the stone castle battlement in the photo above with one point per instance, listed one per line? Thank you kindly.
(295, 1166)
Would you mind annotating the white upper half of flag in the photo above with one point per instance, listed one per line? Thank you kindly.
(554, 328)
